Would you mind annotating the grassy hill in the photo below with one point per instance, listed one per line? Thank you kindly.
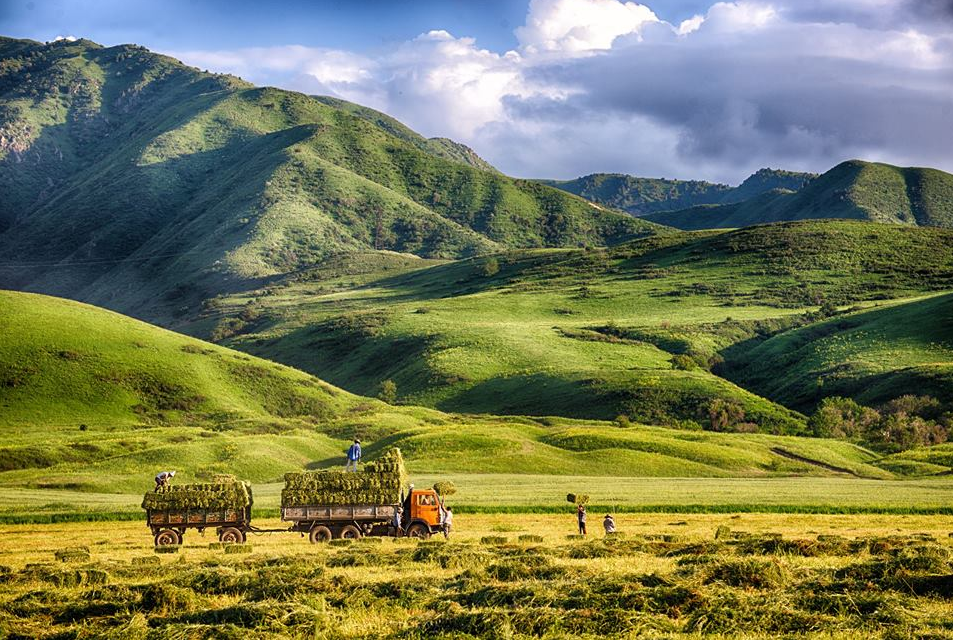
(640, 196)
(94, 401)
(872, 356)
(852, 190)
(140, 184)
(631, 330)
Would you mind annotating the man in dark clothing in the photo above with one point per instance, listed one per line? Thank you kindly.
(163, 478)
(398, 512)
(581, 516)
(353, 456)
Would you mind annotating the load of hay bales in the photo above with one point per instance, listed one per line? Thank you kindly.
(444, 488)
(577, 499)
(217, 495)
(383, 481)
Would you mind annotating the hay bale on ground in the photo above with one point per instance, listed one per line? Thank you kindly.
(220, 495)
(383, 481)
(238, 548)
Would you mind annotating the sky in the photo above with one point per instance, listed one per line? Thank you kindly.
(690, 89)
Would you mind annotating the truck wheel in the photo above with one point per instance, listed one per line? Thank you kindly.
(168, 537)
(418, 530)
(319, 533)
(231, 534)
(350, 532)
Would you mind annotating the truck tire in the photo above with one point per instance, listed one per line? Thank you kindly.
(168, 537)
(231, 534)
(418, 530)
(350, 532)
(319, 533)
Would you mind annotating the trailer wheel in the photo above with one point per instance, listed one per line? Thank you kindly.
(418, 530)
(319, 533)
(350, 532)
(168, 537)
(231, 534)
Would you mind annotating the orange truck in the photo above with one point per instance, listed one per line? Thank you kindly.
(325, 522)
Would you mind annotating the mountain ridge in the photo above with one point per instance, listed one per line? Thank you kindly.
(189, 183)
(642, 196)
(854, 189)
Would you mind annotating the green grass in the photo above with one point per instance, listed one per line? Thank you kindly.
(872, 356)
(588, 334)
(96, 402)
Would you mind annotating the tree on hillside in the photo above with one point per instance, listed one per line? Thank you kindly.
(388, 392)
(491, 267)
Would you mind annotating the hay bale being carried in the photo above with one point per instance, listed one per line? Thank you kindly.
(383, 481)
(218, 495)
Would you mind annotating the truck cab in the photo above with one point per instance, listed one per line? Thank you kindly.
(425, 516)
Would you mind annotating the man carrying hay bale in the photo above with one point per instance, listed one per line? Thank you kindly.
(163, 478)
(581, 517)
(353, 456)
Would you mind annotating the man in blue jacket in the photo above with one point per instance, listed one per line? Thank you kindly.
(353, 456)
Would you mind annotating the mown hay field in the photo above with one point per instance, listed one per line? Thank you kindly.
(663, 576)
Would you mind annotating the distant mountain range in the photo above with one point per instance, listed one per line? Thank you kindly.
(640, 196)
(133, 181)
(854, 189)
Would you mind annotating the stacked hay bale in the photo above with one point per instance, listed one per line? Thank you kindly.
(383, 481)
(218, 495)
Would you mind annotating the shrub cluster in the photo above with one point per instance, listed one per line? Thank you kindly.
(903, 423)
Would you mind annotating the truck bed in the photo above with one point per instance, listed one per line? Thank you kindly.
(351, 513)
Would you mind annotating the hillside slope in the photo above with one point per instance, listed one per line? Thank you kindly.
(641, 196)
(587, 334)
(851, 190)
(872, 356)
(143, 185)
(91, 400)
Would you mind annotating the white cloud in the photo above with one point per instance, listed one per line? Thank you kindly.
(580, 25)
(605, 85)
(66, 38)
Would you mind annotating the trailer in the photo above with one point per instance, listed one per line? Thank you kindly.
(231, 524)
(325, 522)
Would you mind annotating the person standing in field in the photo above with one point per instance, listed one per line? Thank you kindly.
(581, 517)
(163, 478)
(447, 523)
(353, 456)
(609, 524)
(398, 512)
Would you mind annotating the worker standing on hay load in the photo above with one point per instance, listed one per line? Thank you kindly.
(353, 456)
(609, 524)
(163, 478)
(581, 517)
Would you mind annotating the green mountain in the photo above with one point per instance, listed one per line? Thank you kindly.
(853, 190)
(135, 182)
(641, 196)
(94, 401)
